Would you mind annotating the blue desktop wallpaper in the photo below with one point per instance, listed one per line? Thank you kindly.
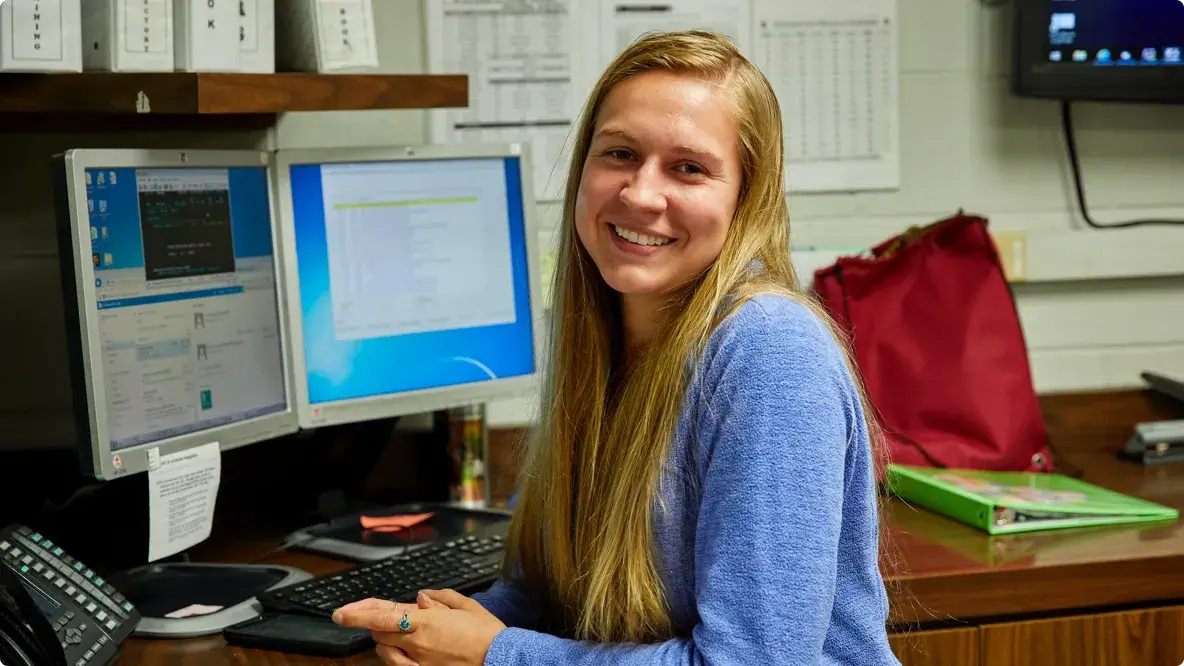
(250, 216)
(346, 369)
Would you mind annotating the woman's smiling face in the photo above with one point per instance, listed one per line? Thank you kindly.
(660, 183)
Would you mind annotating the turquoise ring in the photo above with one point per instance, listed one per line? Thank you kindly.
(405, 623)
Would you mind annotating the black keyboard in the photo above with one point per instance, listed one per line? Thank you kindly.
(469, 564)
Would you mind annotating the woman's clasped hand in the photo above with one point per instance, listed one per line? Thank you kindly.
(443, 628)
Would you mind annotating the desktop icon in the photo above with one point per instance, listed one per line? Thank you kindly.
(1103, 56)
(94, 233)
(101, 178)
(1125, 55)
(1062, 21)
(95, 259)
(112, 178)
(102, 205)
(90, 205)
(1172, 54)
(108, 259)
(1080, 55)
(98, 282)
(88, 181)
(104, 233)
(1055, 56)
(1150, 55)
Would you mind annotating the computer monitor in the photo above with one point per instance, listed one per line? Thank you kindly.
(169, 274)
(411, 277)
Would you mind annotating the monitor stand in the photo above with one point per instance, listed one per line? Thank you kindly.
(339, 533)
(186, 599)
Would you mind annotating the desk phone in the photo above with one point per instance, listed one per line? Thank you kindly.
(54, 610)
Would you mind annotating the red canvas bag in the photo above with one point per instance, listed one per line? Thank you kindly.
(939, 344)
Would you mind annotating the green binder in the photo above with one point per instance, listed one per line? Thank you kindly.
(1010, 502)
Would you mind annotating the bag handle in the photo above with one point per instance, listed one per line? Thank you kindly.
(916, 232)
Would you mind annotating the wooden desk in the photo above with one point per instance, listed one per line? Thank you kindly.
(1112, 595)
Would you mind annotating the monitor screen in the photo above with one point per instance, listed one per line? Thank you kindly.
(413, 275)
(1099, 50)
(186, 295)
(1137, 33)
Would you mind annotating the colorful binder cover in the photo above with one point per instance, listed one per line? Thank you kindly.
(1010, 502)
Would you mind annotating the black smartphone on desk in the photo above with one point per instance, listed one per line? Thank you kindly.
(299, 634)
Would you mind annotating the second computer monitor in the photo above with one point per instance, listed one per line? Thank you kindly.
(172, 302)
(411, 278)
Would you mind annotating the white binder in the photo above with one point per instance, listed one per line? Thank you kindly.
(40, 36)
(207, 35)
(327, 36)
(256, 45)
(127, 35)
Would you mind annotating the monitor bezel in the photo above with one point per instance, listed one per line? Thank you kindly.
(1033, 75)
(369, 408)
(90, 405)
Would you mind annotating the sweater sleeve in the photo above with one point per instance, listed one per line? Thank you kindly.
(776, 421)
(510, 605)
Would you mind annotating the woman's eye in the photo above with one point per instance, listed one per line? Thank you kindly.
(619, 154)
(692, 169)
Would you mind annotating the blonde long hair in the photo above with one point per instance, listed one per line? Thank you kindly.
(582, 535)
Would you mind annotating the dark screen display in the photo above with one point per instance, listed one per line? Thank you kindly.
(46, 605)
(1117, 32)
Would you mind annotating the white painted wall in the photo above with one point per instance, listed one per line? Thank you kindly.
(965, 143)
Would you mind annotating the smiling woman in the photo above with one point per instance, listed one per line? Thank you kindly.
(659, 187)
(701, 485)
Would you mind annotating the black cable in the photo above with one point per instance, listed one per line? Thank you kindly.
(1075, 166)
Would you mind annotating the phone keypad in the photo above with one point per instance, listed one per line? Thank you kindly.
(86, 631)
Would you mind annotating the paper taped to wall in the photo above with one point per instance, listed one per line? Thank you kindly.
(521, 65)
(834, 67)
(621, 22)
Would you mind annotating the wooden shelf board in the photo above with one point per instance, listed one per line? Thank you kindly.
(181, 93)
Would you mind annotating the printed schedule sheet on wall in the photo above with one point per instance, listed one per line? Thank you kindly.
(834, 68)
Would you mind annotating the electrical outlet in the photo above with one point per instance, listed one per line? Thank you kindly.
(1013, 252)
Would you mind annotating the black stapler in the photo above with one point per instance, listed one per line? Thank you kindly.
(1158, 442)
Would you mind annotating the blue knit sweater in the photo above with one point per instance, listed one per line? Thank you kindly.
(769, 554)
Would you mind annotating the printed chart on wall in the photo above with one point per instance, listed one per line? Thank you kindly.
(621, 22)
(834, 68)
(520, 60)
